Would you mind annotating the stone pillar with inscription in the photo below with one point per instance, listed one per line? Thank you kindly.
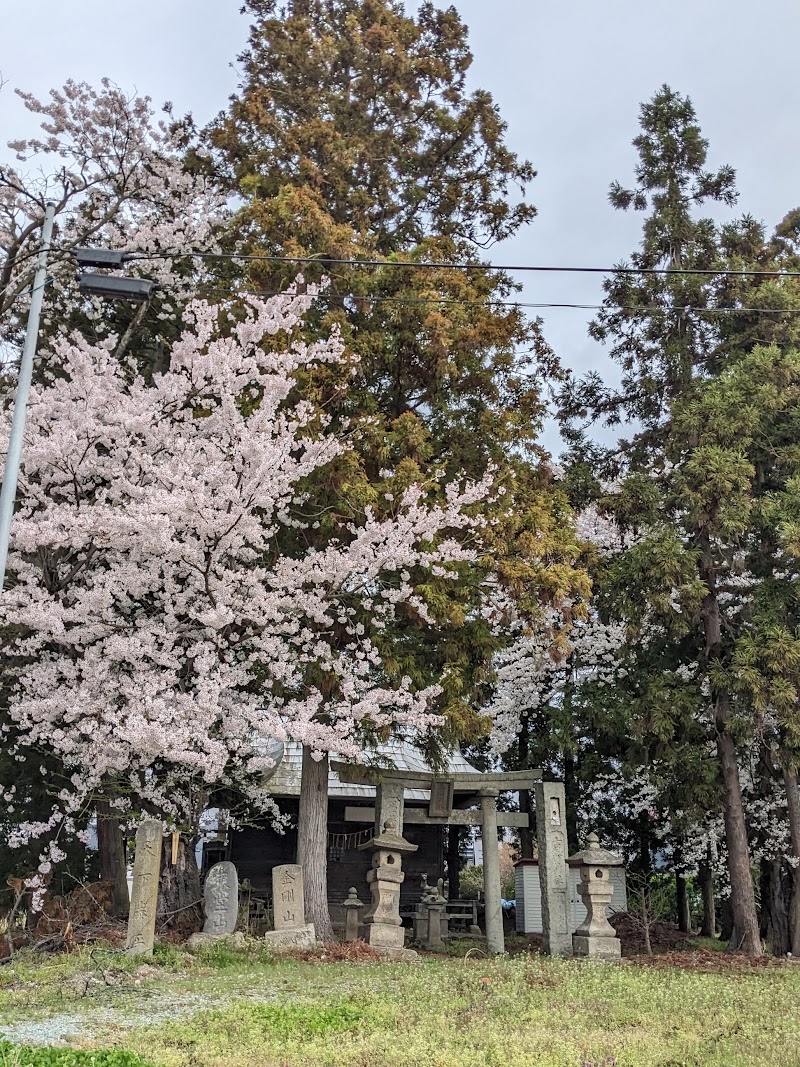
(384, 927)
(221, 899)
(288, 909)
(144, 894)
(288, 901)
(221, 907)
(551, 832)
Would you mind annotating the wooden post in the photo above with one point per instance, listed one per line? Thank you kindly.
(495, 941)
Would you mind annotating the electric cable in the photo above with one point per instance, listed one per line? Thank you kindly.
(423, 264)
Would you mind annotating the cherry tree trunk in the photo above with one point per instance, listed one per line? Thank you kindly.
(706, 878)
(312, 843)
(793, 805)
(179, 897)
(745, 937)
(113, 861)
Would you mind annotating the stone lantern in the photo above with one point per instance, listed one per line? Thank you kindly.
(595, 936)
(384, 927)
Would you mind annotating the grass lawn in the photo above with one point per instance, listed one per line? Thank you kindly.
(236, 1009)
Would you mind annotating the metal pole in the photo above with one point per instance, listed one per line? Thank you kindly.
(11, 471)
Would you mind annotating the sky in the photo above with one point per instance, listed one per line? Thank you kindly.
(568, 77)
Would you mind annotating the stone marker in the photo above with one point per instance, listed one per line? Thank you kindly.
(221, 899)
(596, 936)
(144, 894)
(288, 910)
(288, 901)
(551, 832)
(352, 907)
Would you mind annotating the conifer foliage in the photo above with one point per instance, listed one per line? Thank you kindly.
(716, 419)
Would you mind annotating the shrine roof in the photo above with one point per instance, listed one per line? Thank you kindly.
(398, 754)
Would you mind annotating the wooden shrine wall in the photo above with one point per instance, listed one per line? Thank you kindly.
(255, 851)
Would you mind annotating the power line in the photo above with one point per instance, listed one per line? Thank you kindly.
(240, 293)
(27, 292)
(423, 264)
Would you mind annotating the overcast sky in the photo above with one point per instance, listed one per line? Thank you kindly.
(569, 78)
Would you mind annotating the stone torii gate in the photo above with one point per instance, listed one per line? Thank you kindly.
(391, 814)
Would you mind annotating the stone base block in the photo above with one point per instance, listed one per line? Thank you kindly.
(560, 944)
(600, 948)
(400, 955)
(292, 937)
(381, 935)
(196, 941)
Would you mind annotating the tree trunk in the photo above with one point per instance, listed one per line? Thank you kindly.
(726, 920)
(113, 861)
(646, 919)
(312, 843)
(179, 897)
(527, 834)
(745, 937)
(793, 805)
(706, 877)
(743, 899)
(572, 798)
(778, 906)
(764, 891)
(454, 834)
(684, 913)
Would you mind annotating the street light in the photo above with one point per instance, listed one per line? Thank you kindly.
(108, 286)
(116, 287)
(11, 470)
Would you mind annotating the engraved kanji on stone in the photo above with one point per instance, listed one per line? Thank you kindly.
(287, 896)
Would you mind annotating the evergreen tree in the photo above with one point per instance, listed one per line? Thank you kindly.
(353, 136)
(716, 414)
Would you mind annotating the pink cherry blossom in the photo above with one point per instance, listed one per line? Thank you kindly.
(167, 614)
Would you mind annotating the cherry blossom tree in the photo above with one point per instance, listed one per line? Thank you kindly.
(119, 179)
(169, 618)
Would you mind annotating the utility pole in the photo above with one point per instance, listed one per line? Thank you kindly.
(11, 470)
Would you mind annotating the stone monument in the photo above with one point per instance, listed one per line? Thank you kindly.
(220, 904)
(352, 907)
(288, 909)
(144, 894)
(382, 919)
(551, 833)
(221, 899)
(596, 936)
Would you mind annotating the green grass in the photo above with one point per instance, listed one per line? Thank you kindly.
(442, 1012)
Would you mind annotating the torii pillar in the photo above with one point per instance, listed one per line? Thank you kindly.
(495, 939)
